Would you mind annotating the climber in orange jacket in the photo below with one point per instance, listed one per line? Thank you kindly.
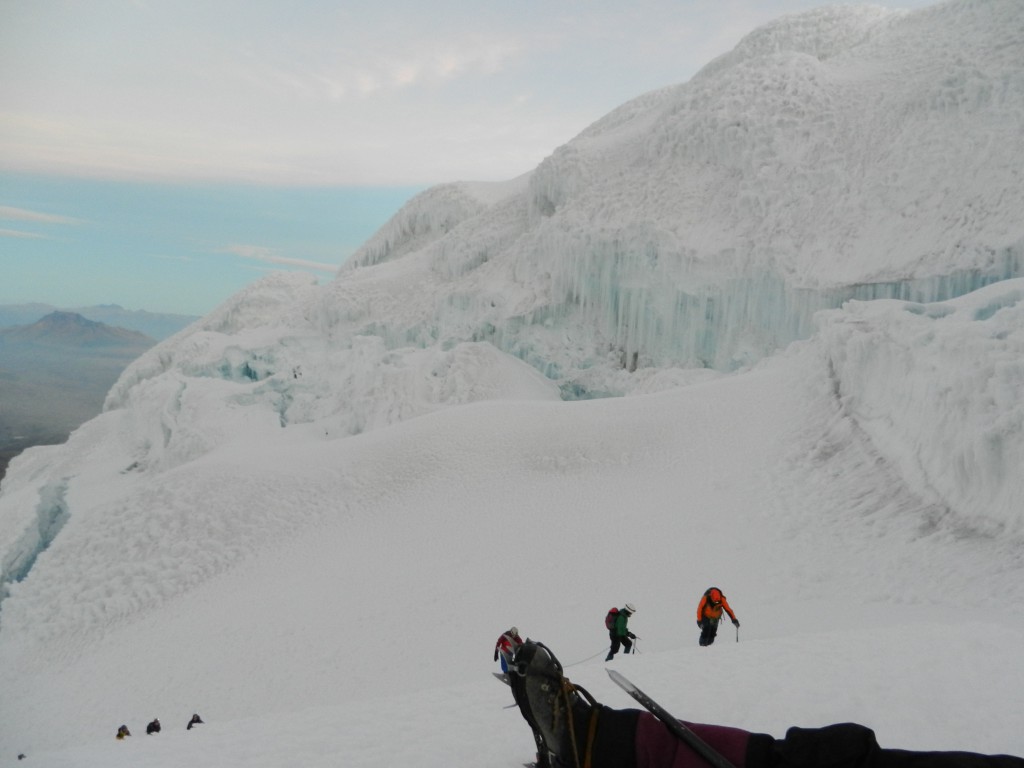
(709, 612)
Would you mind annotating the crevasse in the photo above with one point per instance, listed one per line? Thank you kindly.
(51, 516)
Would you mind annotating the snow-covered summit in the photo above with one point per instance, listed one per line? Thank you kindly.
(849, 152)
(839, 147)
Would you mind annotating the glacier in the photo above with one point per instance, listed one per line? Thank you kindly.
(837, 157)
(817, 237)
(704, 224)
(845, 154)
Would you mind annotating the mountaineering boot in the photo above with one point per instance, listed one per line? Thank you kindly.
(549, 703)
(571, 729)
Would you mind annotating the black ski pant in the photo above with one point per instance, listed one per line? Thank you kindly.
(708, 630)
(849, 745)
(629, 738)
(618, 642)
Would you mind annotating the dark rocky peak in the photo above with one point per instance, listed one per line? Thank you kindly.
(71, 329)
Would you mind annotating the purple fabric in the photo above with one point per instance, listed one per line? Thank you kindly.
(656, 747)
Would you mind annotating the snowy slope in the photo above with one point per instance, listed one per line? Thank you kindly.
(299, 590)
(309, 515)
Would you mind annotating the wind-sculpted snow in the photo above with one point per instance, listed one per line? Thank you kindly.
(940, 390)
(429, 216)
(301, 362)
(268, 307)
(844, 153)
(822, 33)
(887, 159)
(848, 153)
(426, 218)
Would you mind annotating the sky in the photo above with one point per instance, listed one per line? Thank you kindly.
(202, 120)
(175, 248)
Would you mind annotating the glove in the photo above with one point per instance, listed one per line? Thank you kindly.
(700, 624)
(736, 623)
(631, 636)
(495, 655)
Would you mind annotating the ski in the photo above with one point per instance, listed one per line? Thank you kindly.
(694, 741)
(502, 676)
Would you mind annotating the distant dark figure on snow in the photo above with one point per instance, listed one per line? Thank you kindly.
(506, 647)
(122, 732)
(617, 622)
(153, 727)
(572, 729)
(196, 720)
(709, 613)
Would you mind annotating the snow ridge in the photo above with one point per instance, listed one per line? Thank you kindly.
(939, 389)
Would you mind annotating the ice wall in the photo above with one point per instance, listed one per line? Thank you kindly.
(847, 153)
(844, 154)
(940, 390)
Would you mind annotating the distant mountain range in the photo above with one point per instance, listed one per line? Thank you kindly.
(153, 324)
(55, 374)
(69, 329)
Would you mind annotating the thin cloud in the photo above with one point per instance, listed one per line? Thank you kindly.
(22, 235)
(270, 256)
(23, 214)
(368, 75)
(395, 93)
